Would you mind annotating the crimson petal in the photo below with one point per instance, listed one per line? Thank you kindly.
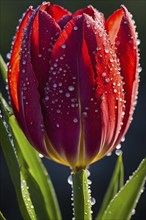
(57, 12)
(122, 33)
(45, 32)
(29, 113)
(62, 119)
(109, 92)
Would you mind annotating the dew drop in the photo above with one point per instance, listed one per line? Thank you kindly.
(118, 146)
(138, 41)
(93, 201)
(87, 172)
(67, 94)
(103, 74)
(8, 56)
(133, 212)
(47, 98)
(118, 152)
(123, 139)
(139, 69)
(75, 120)
(106, 50)
(107, 80)
(63, 46)
(75, 28)
(24, 62)
(84, 114)
(109, 154)
(57, 125)
(71, 88)
(39, 55)
(41, 156)
(69, 180)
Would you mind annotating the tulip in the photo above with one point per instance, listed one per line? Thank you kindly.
(73, 81)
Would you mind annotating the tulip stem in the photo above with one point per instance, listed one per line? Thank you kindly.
(81, 196)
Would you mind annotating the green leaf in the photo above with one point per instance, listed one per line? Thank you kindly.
(115, 185)
(13, 166)
(2, 217)
(31, 177)
(82, 204)
(123, 204)
(3, 69)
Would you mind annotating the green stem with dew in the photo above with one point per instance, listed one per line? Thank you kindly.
(81, 196)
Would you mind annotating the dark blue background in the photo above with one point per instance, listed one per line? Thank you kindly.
(134, 148)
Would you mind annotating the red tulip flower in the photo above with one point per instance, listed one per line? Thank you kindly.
(73, 81)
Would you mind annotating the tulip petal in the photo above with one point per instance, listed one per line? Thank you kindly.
(29, 112)
(64, 20)
(91, 11)
(45, 32)
(124, 39)
(13, 68)
(109, 84)
(57, 12)
(62, 119)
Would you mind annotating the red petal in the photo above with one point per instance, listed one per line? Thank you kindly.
(13, 69)
(63, 21)
(122, 33)
(91, 11)
(44, 35)
(57, 12)
(108, 81)
(29, 115)
(62, 119)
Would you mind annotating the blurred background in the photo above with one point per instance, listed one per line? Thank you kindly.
(134, 148)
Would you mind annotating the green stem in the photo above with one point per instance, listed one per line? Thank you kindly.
(81, 195)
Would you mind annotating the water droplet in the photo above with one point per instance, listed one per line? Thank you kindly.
(67, 94)
(84, 114)
(139, 69)
(118, 146)
(138, 41)
(87, 172)
(69, 180)
(24, 62)
(123, 139)
(75, 28)
(63, 46)
(109, 154)
(118, 152)
(93, 201)
(47, 98)
(58, 111)
(8, 56)
(107, 80)
(71, 88)
(103, 74)
(106, 50)
(41, 156)
(39, 55)
(133, 212)
(75, 120)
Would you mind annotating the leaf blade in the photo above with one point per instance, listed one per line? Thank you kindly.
(116, 183)
(130, 193)
(32, 171)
